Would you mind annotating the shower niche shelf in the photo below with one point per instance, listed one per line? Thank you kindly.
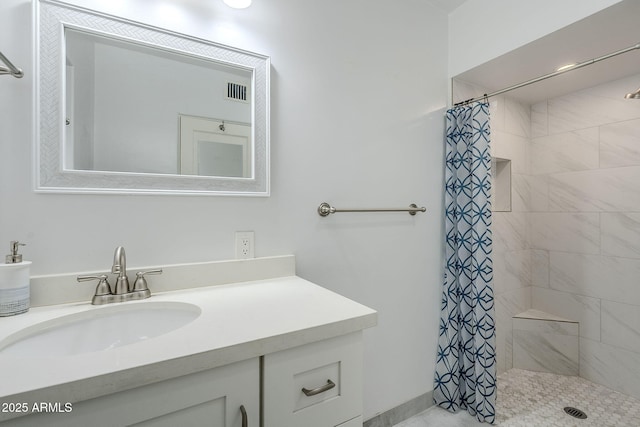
(501, 188)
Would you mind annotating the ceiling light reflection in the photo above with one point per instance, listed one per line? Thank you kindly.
(238, 4)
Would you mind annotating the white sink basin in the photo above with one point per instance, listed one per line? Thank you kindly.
(99, 329)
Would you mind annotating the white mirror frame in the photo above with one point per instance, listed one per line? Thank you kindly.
(51, 18)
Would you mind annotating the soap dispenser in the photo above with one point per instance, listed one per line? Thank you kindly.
(14, 282)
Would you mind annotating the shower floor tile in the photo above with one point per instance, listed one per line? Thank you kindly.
(537, 399)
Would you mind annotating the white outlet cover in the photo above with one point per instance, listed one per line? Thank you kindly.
(245, 245)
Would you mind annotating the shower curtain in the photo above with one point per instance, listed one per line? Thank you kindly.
(465, 374)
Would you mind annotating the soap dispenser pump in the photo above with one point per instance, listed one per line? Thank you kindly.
(14, 282)
(14, 257)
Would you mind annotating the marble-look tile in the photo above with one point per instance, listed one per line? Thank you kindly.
(508, 351)
(511, 270)
(504, 339)
(513, 302)
(507, 305)
(502, 355)
(517, 118)
(536, 399)
(556, 354)
(610, 366)
(546, 346)
(575, 111)
(604, 190)
(567, 151)
(571, 232)
(620, 234)
(539, 120)
(510, 231)
(540, 268)
(501, 342)
(620, 144)
(593, 107)
(610, 278)
(620, 325)
(512, 147)
(497, 114)
(529, 193)
(520, 193)
(584, 310)
(539, 188)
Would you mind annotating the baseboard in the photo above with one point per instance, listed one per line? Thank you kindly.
(401, 412)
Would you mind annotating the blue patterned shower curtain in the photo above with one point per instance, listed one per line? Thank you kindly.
(465, 366)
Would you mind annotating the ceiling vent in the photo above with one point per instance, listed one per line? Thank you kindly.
(237, 92)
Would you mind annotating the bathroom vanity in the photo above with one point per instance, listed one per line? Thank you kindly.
(279, 351)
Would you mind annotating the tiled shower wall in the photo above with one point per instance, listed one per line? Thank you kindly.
(585, 224)
(512, 255)
(571, 243)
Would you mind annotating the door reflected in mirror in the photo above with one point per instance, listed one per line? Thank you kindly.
(126, 107)
(211, 147)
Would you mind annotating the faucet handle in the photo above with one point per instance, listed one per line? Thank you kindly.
(103, 287)
(140, 285)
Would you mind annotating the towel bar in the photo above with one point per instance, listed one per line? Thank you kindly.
(326, 209)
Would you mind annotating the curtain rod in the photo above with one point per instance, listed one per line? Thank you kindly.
(548, 76)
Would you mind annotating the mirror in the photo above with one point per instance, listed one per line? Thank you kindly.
(126, 102)
(125, 107)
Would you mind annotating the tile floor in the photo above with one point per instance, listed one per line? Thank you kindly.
(536, 399)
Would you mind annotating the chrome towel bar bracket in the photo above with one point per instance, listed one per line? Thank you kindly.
(325, 209)
(10, 68)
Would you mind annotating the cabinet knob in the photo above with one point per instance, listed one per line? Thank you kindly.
(328, 386)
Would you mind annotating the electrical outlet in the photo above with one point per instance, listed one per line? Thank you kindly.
(244, 244)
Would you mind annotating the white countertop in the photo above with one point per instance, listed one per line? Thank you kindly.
(238, 321)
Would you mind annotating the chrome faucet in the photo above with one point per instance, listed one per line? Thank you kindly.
(120, 268)
(121, 292)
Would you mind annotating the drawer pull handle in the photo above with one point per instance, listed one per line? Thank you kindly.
(245, 418)
(328, 386)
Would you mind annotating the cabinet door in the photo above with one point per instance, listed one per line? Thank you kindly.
(209, 398)
(315, 385)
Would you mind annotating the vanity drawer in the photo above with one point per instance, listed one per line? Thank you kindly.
(330, 372)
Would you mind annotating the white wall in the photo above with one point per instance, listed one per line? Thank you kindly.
(481, 30)
(358, 91)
